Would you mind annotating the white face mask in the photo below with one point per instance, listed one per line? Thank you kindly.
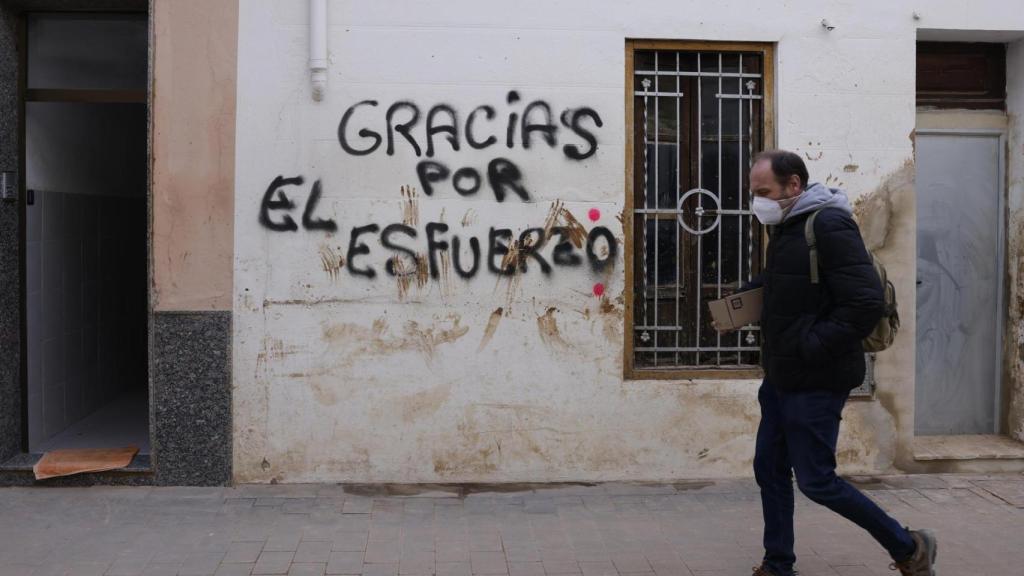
(769, 212)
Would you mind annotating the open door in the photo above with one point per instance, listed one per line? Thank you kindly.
(86, 229)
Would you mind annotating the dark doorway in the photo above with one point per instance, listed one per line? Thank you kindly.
(85, 223)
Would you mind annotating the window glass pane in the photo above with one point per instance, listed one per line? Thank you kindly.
(80, 148)
(730, 63)
(668, 84)
(661, 174)
(643, 60)
(87, 52)
(751, 63)
(688, 61)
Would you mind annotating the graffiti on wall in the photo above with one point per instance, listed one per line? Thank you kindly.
(290, 203)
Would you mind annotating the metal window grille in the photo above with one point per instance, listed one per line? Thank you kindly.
(698, 121)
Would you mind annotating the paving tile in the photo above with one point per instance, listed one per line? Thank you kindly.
(383, 552)
(525, 569)
(488, 562)
(201, 564)
(418, 544)
(353, 523)
(307, 569)
(385, 532)
(83, 568)
(162, 569)
(298, 506)
(522, 554)
(381, 569)
(22, 569)
(273, 562)
(592, 553)
(453, 569)
(485, 541)
(854, 571)
(318, 532)
(282, 543)
(452, 551)
(598, 569)
(240, 569)
(416, 562)
(126, 567)
(566, 554)
(345, 563)
(243, 553)
(349, 541)
(313, 552)
(561, 567)
(627, 562)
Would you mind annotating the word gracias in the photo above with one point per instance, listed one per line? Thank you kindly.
(534, 119)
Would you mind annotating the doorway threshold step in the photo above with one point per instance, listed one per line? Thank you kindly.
(968, 447)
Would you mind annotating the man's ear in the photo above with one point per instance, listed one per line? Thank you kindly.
(794, 184)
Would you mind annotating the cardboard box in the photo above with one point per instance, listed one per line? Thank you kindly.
(738, 310)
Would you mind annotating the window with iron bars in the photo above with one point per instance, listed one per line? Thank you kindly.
(696, 116)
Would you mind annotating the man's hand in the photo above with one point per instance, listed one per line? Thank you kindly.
(721, 330)
(727, 290)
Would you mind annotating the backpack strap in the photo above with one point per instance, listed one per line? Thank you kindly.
(812, 244)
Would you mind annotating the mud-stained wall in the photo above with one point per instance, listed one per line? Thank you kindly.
(379, 335)
(193, 114)
(1013, 350)
(887, 218)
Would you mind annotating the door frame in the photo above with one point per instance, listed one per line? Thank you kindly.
(22, 199)
(24, 96)
(1001, 161)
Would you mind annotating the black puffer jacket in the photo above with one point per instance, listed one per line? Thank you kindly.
(811, 334)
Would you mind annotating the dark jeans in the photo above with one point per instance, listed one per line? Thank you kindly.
(798, 434)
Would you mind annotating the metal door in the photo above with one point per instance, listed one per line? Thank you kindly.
(959, 275)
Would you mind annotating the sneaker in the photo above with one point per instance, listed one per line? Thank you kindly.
(922, 562)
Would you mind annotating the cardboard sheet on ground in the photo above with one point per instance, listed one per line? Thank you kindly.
(67, 462)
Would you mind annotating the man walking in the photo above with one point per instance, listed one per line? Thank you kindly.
(812, 358)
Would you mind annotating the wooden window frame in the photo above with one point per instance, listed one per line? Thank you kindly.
(767, 52)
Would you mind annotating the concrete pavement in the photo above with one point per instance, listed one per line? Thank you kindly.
(689, 529)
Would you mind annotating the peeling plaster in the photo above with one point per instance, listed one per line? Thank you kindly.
(887, 218)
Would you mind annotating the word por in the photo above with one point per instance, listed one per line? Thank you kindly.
(502, 176)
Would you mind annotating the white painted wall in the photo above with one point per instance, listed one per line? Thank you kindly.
(339, 378)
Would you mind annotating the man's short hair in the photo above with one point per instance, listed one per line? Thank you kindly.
(785, 164)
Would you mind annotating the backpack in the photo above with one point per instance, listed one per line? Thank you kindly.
(885, 331)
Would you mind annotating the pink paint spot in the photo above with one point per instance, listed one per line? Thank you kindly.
(598, 289)
(594, 214)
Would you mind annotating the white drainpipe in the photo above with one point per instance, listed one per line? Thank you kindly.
(318, 47)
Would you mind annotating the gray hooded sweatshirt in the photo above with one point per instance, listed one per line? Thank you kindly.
(818, 196)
